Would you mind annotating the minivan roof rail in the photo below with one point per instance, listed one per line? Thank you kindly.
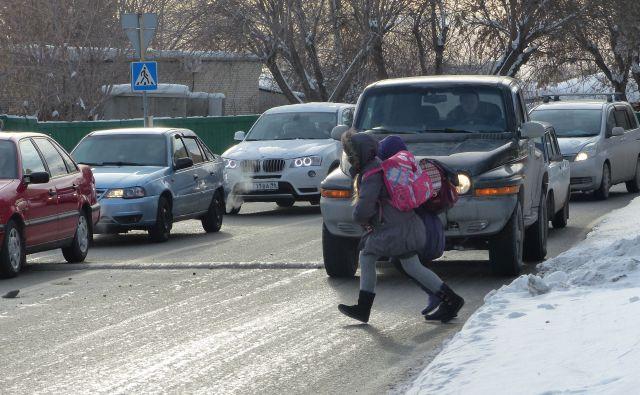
(611, 96)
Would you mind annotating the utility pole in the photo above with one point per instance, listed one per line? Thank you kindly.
(148, 120)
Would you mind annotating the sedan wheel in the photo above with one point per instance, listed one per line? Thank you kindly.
(633, 186)
(212, 221)
(164, 222)
(77, 251)
(602, 193)
(12, 255)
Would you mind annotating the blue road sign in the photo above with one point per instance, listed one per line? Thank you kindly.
(144, 76)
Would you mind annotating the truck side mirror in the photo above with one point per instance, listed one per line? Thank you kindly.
(532, 130)
(239, 136)
(338, 131)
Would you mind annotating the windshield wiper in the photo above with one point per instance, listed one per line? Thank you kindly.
(447, 130)
(120, 164)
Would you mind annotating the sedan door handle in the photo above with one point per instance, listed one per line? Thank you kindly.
(52, 192)
(74, 187)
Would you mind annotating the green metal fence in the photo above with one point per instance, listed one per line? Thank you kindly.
(216, 132)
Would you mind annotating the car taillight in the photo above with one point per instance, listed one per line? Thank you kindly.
(336, 193)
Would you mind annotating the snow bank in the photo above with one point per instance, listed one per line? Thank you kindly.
(595, 83)
(571, 329)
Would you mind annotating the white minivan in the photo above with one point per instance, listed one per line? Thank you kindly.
(601, 140)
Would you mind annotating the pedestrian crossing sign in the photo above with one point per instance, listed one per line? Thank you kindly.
(144, 76)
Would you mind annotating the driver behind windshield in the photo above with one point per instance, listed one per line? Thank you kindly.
(473, 111)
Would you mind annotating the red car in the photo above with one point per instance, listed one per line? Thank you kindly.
(47, 201)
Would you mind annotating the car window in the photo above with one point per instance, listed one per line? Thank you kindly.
(31, 160)
(207, 152)
(571, 122)
(621, 118)
(71, 166)
(8, 162)
(519, 108)
(445, 109)
(611, 122)
(293, 126)
(548, 147)
(194, 149)
(179, 150)
(124, 149)
(347, 117)
(52, 158)
(632, 118)
(556, 146)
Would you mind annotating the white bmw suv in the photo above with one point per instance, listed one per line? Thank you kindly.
(285, 156)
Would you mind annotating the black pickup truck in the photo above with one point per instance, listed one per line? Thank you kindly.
(478, 126)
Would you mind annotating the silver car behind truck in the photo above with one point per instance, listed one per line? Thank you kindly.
(601, 140)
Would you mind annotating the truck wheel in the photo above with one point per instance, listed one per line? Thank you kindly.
(79, 248)
(164, 221)
(561, 218)
(535, 238)
(633, 186)
(212, 221)
(602, 193)
(505, 248)
(340, 254)
(12, 253)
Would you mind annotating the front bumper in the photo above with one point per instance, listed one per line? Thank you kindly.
(586, 175)
(300, 184)
(472, 217)
(121, 215)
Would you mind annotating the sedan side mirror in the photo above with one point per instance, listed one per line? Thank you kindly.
(39, 177)
(532, 130)
(617, 131)
(239, 136)
(183, 163)
(338, 131)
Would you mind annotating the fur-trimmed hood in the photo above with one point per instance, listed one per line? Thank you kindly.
(361, 149)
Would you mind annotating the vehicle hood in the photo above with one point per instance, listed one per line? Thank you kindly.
(5, 183)
(126, 176)
(573, 145)
(285, 149)
(471, 155)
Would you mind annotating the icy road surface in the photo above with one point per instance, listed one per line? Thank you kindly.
(249, 310)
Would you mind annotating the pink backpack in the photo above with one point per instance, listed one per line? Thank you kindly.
(408, 186)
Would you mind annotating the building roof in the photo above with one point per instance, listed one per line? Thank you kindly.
(308, 107)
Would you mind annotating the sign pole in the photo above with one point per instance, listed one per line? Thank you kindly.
(145, 99)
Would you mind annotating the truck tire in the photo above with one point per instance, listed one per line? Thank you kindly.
(12, 251)
(505, 248)
(633, 185)
(602, 193)
(535, 238)
(340, 254)
(561, 218)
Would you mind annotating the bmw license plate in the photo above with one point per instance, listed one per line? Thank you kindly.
(264, 186)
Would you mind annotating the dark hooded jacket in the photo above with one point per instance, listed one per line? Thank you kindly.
(395, 233)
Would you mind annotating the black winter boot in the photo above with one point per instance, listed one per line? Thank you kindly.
(448, 309)
(362, 310)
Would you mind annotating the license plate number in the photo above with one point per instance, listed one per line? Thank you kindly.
(264, 186)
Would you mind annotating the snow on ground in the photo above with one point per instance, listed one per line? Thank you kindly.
(571, 329)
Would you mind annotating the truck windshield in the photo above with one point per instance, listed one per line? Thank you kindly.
(433, 110)
(571, 122)
(294, 125)
(8, 163)
(122, 150)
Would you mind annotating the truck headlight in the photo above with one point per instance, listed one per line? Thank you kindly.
(307, 161)
(464, 184)
(125, 193)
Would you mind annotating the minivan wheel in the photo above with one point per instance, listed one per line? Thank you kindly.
(12, 254)
(633, 186)
(340, 254)
(535, 239)
(164, 222)
(505, 248)
(77, 251)
(602, 193)
(212, 221)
